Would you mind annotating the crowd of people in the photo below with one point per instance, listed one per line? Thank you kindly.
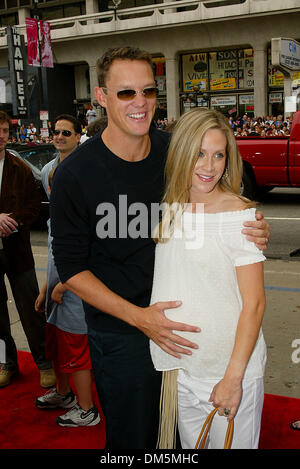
(245, 126)
(30, 133)
(266, 126)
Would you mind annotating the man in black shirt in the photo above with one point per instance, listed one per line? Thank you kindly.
(106, 257)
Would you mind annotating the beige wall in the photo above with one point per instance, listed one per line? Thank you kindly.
(170, 42)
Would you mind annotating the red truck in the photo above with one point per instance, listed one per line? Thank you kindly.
(271, 161)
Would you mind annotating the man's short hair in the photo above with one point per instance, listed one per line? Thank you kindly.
(67, 117)
(95, 126)
(4, 117)
(119, 53)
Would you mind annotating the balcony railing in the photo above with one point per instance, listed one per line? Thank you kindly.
(158, 16)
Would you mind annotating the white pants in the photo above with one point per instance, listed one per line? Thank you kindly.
(193, 408)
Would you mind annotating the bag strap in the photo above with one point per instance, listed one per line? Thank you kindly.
(206, 427)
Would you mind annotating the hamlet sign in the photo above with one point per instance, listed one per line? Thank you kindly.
(18, 71)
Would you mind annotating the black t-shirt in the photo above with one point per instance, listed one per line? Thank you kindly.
(100, 210)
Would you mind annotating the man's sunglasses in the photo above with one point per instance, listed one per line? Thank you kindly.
(65, 133)
(128, 95)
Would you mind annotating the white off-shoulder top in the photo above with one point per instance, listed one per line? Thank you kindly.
(198, 266)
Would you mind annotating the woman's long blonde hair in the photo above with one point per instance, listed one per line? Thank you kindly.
(182, 156)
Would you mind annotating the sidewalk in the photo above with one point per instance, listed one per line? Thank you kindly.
(280, 326)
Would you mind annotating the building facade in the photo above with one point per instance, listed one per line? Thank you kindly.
(214, 53)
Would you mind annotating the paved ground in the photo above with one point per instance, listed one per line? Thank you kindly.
(280, 326)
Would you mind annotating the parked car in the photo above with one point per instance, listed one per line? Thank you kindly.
(271, 161)
(35, 156)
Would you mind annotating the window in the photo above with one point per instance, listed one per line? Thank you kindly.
(9, 20)
(223, 3)
(12, 4)
(39, 156)
(220, 70)
(52, 13)
(75, 9)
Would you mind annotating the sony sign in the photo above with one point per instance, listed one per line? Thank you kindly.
(18, 71)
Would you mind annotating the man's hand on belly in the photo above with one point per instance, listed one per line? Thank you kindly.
(155, 325)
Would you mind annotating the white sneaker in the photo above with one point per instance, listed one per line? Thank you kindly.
(77, 417)
(52, 399)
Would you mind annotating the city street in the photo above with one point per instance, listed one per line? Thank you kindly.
(282, 281)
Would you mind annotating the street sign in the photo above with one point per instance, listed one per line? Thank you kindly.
(285, 54)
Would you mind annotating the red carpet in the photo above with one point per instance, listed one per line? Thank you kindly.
(23, 426)
(278, 412)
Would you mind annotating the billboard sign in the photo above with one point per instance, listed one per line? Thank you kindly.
(46, 50)
(33, 52)
(18, 71)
